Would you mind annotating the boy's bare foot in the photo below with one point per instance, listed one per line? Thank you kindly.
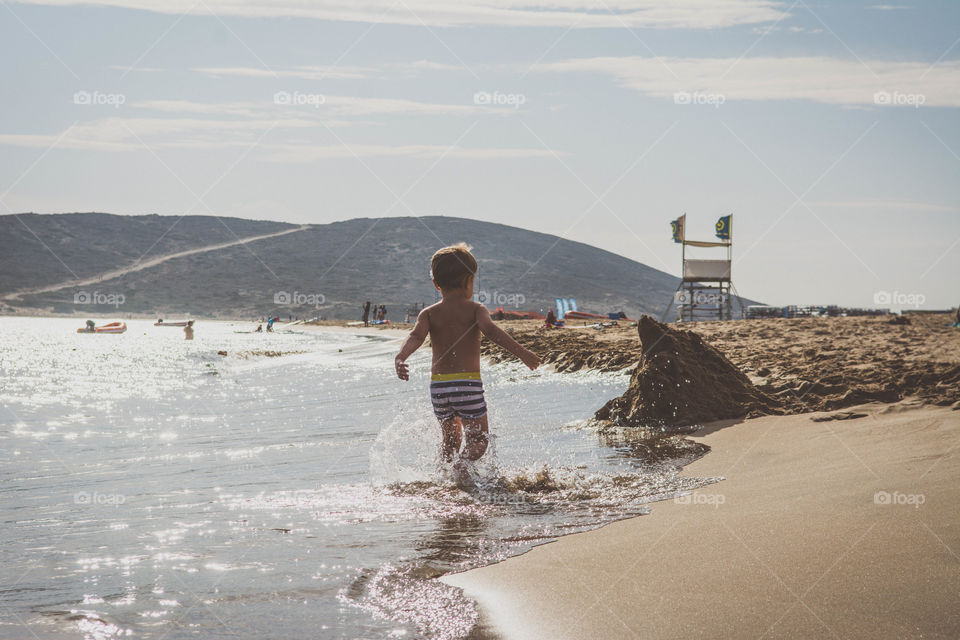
(464, 475)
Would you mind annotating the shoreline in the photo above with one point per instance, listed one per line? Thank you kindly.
(820, 529)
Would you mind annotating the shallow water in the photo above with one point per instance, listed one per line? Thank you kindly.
(152, 488)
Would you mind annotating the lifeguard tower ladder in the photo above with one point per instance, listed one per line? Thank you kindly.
(706, 290)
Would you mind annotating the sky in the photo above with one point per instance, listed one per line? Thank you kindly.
(830, 130)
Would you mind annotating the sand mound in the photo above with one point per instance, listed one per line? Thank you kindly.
(682, 381)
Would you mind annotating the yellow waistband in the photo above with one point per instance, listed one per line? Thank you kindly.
(466, 375)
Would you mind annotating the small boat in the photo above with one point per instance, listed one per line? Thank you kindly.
(113, 327)
(170, 323)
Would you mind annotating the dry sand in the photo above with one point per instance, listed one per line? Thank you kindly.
(806, 364)
(793, 544)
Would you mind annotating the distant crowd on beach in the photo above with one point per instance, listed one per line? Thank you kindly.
(379, 314)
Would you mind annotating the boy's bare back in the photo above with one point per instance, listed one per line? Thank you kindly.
(454, 329)
(456, 323)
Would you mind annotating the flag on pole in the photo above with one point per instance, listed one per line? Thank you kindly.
(677, 227)
(725, 227)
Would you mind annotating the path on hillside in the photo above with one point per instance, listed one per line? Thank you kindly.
(146, 264)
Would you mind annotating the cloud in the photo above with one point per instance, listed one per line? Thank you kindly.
(330, 72)
(243, 124)
(241, 109)
(425, 65)
(325, 106)
(130, 134)
(304, 153)
(334, 72)
(584, 14)
(818, 79)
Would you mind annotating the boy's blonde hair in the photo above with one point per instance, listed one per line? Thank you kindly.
(451, 266)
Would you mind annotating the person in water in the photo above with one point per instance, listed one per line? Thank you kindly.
(188, 330)
(455, 325)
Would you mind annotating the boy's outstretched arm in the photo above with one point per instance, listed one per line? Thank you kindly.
(502, 338)
(411, 344)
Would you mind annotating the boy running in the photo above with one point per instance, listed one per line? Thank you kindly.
(455, 325)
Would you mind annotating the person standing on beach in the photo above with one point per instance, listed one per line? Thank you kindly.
(455, 325)
(366, 313)
(551, 320)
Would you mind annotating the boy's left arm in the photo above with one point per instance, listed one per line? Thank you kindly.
(502, 338)
(411, 344)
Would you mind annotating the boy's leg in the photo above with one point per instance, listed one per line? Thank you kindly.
(475, 434)
(450, 429)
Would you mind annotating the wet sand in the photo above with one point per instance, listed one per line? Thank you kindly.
(822, 529)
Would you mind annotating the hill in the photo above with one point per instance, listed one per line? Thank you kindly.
(203, 268)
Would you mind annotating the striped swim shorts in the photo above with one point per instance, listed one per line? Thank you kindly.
(457, 394)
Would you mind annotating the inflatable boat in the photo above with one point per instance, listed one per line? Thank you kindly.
(170, 323)
(583, 315)
(113, 327)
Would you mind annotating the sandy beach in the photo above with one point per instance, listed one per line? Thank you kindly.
(837, 518)
(821, 529)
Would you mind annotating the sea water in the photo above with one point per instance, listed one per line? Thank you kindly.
(153, 487)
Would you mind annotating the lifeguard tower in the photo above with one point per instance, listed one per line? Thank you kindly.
(706, 288)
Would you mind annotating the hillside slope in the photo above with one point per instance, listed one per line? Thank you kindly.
(38, 250)
(328, 269)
